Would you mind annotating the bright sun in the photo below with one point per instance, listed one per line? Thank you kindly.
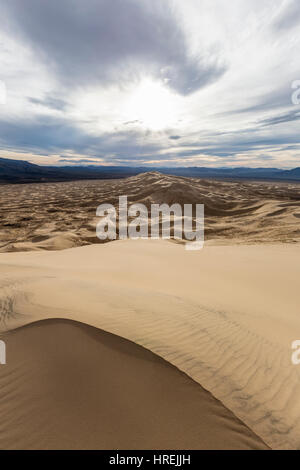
(153, 105)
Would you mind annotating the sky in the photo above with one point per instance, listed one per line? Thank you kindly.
(150, 82)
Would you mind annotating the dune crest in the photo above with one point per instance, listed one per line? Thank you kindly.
(226, 315)
(77, 387)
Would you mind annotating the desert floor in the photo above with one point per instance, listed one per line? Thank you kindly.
(55, 216)
(223, 318)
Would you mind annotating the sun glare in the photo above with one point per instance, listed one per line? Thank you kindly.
(152, 105)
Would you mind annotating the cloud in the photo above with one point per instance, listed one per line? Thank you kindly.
(126, 81)
(52, 135)
(289, 17)
(57, 136)
(281, 119)
(49, 102)
(270, 100)
(77, 161)
(101, 41)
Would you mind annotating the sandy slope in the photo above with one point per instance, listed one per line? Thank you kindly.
(71, 386)
(226, 315)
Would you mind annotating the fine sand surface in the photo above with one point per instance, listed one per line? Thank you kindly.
(71, 386)
(225, 315)
(55, 216)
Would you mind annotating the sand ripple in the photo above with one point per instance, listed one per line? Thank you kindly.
(226, 315)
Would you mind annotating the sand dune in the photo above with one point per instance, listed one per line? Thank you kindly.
(56, 216)
(226, 315)
(71, 386)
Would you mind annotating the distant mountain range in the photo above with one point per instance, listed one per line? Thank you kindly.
(18, 171)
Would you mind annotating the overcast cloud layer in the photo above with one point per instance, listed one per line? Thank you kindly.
(139, 82)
